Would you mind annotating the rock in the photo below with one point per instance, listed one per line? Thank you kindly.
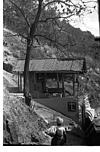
(7, 67)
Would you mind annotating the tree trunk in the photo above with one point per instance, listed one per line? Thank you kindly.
(26, 70)
(28, 52)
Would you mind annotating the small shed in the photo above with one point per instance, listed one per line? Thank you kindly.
(53, 79)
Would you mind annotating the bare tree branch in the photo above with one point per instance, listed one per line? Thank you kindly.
(89, 1)
(60, 27)
(37, 41)
(51, 40)
(34, 25)
(54, 30)
(56, 17)
(12, 35)
(56, 1)
(22, 12)
(17, 35)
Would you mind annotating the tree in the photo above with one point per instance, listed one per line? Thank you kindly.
(40, 20)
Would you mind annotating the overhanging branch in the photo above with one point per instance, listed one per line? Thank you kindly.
(56, 1)
(35, 23)
(57, 44)
(17, 35)
(51, 40)
(56, 17)
(89, 1)
(22, 12)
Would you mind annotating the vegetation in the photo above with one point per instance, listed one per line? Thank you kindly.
(53, 36)
(40, 20)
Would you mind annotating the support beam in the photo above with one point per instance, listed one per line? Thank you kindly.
(73, 85)
(34, 80)
(45, 77)
(63, 93)
(22, 82)
(57, 80)
(18, 80)
(44, 83)
(78, 83)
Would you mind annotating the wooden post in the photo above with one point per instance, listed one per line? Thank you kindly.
(57, 80)
(45, 75)
(22, 82)
(73, 85)
(79, 110)
(18, 80)
(34, 80)
(34, 85)
(44, 83)
(63, 94)
(77, 84)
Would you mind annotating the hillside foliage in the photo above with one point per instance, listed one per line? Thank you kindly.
(39, 20)
(53, 37)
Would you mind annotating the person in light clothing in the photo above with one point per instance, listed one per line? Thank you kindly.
(58, 133)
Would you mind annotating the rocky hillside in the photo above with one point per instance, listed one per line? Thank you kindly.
(82, 45)
(21, 125)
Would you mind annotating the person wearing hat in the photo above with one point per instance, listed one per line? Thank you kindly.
(58, 133)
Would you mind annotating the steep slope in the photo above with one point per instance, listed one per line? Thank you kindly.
(80, 44)
(22, 126)
(15, 48)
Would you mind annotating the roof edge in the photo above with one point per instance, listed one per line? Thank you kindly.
(59, 59)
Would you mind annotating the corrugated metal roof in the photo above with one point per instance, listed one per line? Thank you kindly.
(50, 65)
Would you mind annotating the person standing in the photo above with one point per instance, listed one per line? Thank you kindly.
(58, 133)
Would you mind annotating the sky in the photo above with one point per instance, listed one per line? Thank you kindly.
(89, 22)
